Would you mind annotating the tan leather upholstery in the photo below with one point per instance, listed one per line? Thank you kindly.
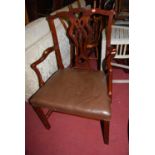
(77, 92)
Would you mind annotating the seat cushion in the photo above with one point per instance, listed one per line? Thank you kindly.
(77, 92)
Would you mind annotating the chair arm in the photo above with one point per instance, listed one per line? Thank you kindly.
(41, 59)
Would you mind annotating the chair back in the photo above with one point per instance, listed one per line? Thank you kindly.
(83, 28)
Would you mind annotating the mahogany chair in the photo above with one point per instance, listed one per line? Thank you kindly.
(78, 89)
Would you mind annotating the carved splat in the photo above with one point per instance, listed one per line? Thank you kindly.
(84, 32)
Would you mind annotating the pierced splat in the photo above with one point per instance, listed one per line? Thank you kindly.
(84, 32)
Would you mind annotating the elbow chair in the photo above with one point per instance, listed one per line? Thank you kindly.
(78, 89)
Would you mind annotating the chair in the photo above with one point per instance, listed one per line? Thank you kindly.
(78, 89)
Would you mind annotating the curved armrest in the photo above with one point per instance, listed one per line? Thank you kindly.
(41, 59)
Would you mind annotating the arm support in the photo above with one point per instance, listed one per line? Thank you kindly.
(41, 59)
(107, 68)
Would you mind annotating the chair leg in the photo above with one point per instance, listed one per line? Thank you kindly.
(128, 130)
(42, 117)
(105, 130)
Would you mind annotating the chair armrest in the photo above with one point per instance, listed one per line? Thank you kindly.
(41, 59)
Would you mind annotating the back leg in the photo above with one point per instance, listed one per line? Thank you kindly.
(105, 130)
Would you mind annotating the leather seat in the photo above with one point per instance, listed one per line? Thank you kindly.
(77, 92)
